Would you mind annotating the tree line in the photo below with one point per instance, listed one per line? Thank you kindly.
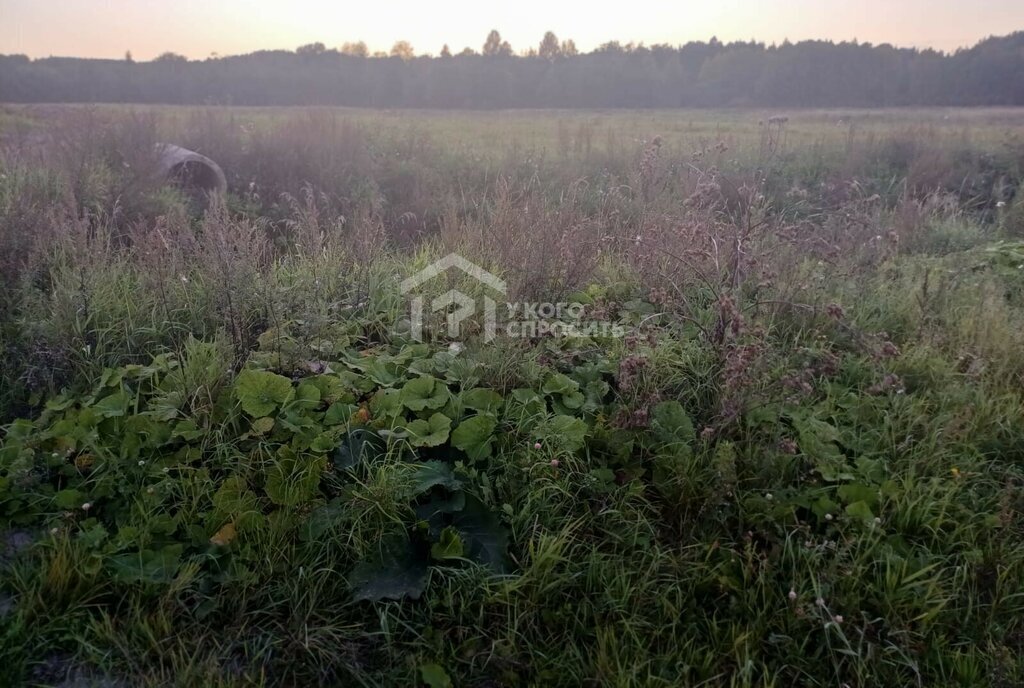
(552, 75)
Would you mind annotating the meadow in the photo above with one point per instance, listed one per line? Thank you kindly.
(226, 458)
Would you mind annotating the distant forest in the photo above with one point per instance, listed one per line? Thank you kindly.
(552, 75)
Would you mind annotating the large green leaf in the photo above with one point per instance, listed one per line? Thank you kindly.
(261, 392)
(234, 497)
(339, 412)
(431, 474)
(357, 447)
(189, 431)
(595, 391)
(429, 433)
(261, 426)
(560, 384)
(485, 539)
(424, 392)
(670, 424)
(573, 400)
(307, 396)
(563, 432)
(150, 566)
(386, 403)
(482, 400)
(434, 512)
(567, 397)
(858, 492)
(332, 389)
(475, 436)
(113, 405)
(525, 406)
(394, 571)
(860, 511)
(817, 439)
(322, 520)
(355, 383)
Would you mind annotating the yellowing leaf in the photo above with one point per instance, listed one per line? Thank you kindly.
(261, 426)
(224, 536)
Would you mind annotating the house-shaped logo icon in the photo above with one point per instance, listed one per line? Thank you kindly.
(465, 305)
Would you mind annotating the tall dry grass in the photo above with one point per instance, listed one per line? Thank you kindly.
(102, 263)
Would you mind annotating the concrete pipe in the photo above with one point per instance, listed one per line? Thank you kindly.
(194, 172)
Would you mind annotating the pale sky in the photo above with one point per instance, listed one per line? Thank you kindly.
(198, 28)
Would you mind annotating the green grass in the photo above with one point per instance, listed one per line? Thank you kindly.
(553, 131)
(226, 462)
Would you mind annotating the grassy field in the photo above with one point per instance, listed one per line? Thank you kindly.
(548, 130)
(792, 456)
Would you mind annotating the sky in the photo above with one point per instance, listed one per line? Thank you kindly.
(200, 28)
